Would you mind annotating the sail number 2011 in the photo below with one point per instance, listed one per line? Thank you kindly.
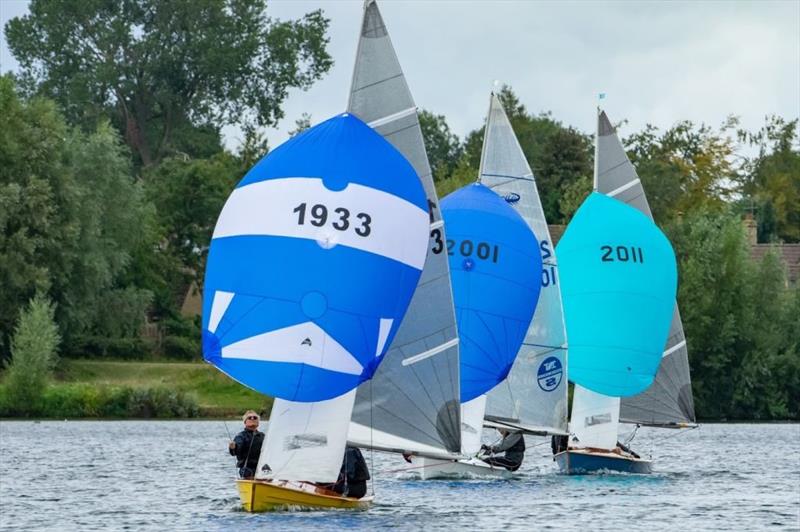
(340, 217)
(622, 254)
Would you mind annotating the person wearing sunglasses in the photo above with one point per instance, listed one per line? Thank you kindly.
(246, 446)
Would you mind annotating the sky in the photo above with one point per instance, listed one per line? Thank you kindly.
(657, 62)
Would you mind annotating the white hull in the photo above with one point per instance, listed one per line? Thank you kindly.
(473, 468)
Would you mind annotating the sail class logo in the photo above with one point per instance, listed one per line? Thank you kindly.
(550, 373)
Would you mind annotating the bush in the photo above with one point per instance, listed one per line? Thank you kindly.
(119, 348)
(86, 401)
(33, 351)
(181, 347)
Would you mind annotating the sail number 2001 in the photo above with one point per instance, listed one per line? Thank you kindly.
(466, 248)
(340, 218)
(622, 254)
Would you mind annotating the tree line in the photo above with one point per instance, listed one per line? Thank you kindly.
(113, 172)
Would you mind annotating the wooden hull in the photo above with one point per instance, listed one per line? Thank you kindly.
(586, 461)
(460, 469)
(268, 495)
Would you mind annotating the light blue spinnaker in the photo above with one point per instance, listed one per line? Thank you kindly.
(313, 262)
(496, 272)
(618, 283)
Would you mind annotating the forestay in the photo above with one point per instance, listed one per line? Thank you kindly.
(303, 245)
(618, 281)
(412, 402)
(534, 395)
(669, 399)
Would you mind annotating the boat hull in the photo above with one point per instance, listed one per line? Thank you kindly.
(267, 495)
(432, 469)
(583, 462)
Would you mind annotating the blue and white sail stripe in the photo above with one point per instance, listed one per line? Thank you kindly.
(313, 262)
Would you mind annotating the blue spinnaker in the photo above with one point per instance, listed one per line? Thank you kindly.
(618, 283)
(496, 272)
(313, 262)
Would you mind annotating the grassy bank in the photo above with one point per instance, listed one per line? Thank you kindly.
(213, 394)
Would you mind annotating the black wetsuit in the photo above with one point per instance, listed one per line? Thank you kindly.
(514, 446)
(247, 451)
(354, 474)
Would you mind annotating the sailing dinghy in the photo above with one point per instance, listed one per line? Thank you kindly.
(313, 262)
(532, 397)
(667, 401)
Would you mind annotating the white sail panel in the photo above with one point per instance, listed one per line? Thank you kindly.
(535, 392)
(595, 419)
(306, 441)
(413, 398)
(472, 413)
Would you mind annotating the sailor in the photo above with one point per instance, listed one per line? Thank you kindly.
(559, 443)
(246, 446)
(353, 476)
(513, 444)
(625, 449)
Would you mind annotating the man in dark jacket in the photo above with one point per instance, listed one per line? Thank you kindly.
(353, 476)
(512, 444)
(246, 446)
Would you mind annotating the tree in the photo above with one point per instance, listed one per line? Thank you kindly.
(72, 218)
(33, 351)
(772, 179)
(188, 196)
(443, 147)
(169, 73)
(686, 168)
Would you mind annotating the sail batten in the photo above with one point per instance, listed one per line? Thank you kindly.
(535, 391)
(411, 407)
(669, 399)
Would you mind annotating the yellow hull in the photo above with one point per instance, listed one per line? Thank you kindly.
(267, 495)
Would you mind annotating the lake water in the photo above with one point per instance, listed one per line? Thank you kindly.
(177, 475)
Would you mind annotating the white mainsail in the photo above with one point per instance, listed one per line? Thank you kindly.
(534, 396)
(412, 402)
(306, 441)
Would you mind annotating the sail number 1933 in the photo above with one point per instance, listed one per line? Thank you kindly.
(339, 217)
(622, 254)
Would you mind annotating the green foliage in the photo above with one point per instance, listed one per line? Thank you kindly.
(75, 218)
(738, 317)
(33, 352)
(687, 168)
(772, 179)
(188, 196)
(88, 401)
(169, 73)
(443, 147)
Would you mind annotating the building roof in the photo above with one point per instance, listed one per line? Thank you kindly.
(789, 253)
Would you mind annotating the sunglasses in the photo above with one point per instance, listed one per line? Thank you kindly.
(253, 417)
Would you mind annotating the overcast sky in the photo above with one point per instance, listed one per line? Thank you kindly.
(657, 62)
